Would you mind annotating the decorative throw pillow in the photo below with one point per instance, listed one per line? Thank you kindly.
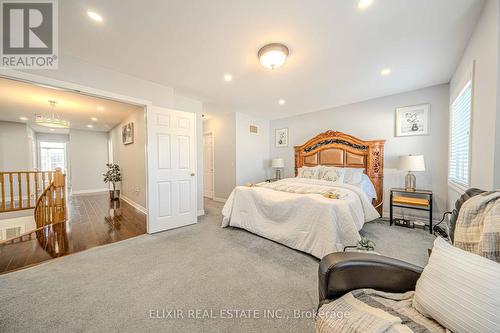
(332, 174)
(460, 290)
(353, 175)
(309, 172)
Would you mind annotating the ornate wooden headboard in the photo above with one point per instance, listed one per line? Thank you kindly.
(343, 150)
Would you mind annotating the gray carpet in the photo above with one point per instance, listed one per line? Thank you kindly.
(196, 268)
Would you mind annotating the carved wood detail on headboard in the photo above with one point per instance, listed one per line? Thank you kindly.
(343, 150)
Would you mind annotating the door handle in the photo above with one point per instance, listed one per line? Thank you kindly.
(192, 174)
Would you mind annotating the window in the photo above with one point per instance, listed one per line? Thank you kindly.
(52, 156)
(458, 173)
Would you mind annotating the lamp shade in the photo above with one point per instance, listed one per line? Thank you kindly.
(278, 163)
(412, 163)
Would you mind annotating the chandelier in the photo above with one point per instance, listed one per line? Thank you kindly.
(52, 120)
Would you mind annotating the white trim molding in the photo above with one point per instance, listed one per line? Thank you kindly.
(94, 190)
(220, 199)
(201, 212)
(134, 204)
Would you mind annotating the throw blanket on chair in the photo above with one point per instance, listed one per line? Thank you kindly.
(371, 311)
(478, 226)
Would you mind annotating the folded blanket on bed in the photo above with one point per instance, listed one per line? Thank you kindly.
(293, 186)
(478, 226)
(371, 311)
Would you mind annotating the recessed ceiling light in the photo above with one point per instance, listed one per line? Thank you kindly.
(228, 77)
(90, 126)
(100, 108)
(363, 4)
(281, 102)
(23, 118)
(385, 71)
(94, 16)
(52, 130)
(273, 55)
(93, 119)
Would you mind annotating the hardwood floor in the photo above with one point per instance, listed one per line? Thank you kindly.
(93, 220)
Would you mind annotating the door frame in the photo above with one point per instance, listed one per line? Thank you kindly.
(213, 163)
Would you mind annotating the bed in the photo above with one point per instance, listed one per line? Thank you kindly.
(313, 215)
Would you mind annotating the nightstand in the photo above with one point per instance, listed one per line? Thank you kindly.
(418, 200)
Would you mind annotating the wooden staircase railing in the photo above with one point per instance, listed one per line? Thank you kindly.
(21, 189)
(50, 209)
(51, 205)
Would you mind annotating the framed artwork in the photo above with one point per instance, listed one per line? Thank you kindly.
(412, 120)
(128, 133)
(282, 137)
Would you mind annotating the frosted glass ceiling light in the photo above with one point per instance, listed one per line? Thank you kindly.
(273, 55)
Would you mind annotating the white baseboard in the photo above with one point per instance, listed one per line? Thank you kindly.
(134, 204)
(95, 190)
(201, 212)
(220, 199)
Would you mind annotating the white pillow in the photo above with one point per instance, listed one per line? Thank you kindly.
(460, 290)
(332, 174)
(309, 172)
(353, 175)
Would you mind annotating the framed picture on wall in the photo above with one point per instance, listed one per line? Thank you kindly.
(128, 133)
(282, 137)
(412, 120)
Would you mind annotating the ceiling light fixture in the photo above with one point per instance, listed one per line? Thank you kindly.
(100, 108)
(385, 71)
(228, 77)
(363, 4)
(23, 118)
(281, 102)
(90, 126)
(273, 55)
(93, 119)
(52, 130)
(94, 16)
(53, 121)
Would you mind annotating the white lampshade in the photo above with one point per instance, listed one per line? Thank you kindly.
(412, 163)
(278, 163)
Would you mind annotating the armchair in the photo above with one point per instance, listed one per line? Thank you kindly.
(342, 272)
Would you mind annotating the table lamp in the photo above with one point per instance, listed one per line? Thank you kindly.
(411, 163)
(278, 163)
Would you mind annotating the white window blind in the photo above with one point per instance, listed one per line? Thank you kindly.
(458, 169)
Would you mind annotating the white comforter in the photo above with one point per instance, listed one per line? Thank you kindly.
(294, 212)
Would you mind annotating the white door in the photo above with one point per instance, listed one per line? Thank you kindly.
(171, 169)
(208, 165)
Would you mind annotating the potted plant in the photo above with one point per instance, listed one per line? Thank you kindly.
(113, 176)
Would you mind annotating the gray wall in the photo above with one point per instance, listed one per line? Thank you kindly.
(373, 120)
(15, 151)
(485, 132)
(252, 153)
(131, 158)
(88, 154)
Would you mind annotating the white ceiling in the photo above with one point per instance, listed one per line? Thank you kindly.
(20, 99)
(336, 50)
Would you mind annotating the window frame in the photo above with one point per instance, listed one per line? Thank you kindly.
(469, 79)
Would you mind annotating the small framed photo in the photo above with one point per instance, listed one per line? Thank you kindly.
(282, 137)
(128, 133)
(412, 120)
